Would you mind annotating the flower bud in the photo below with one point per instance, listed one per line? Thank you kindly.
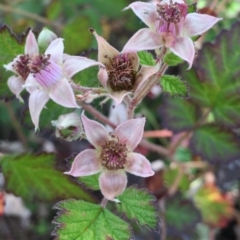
(68, 127)
(46, 37)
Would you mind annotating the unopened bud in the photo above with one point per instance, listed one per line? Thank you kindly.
(46, 37)
(68, 127)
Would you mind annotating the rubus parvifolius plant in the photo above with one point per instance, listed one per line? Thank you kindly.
(109, 101)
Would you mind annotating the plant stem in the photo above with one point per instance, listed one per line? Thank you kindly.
(104, 202)
(7, 8)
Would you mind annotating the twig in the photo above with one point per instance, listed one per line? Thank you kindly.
(16, 124)
(33, 16)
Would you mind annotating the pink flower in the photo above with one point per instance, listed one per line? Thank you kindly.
(113, 155)
(46, 75)
(121, 74)
(170, 26)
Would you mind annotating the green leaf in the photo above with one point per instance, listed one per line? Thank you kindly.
(76, 35)
(214, 144)
(11, 46)
(138, 204)
(178, 114)
(33, 176)
(192, 8)
(183, 154)
(91, 182)
(214, 81)
(181, 214)
(172, 60)
(146, 58)
(80, 220)
(173, 86)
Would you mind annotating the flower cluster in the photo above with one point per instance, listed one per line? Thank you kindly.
(49, 75)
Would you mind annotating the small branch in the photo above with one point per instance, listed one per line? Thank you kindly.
(172, 190)
(16, 124)
(33, 16)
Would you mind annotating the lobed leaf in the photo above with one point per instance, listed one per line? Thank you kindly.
(138, 205)
(178, 114)
(214, 81)
(215, 144)
(33, 176)
(80, 220)
(172, 60)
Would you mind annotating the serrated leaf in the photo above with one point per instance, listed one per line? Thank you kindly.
(214, 80)
(178, 114)
(138, 205)
(80, 220)
(181, 214)
(173, 86)
(146, 58)
(214, 144)
(33, 176)
(11, 46)
(172, 60)
(91, 182)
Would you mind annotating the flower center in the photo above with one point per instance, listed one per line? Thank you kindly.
(46, 72)
(121, 74)
(21, 66)
(113, 154)
(38, 62)
(169, 12)
(171, 17)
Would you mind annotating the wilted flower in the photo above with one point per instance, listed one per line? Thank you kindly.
(68, 127)
(170, 26)
(113, 155)
(45, 37)
(46, 75)
(121, 74)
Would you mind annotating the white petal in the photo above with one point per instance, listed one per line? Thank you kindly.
(62, 94)
(85, 163)
(96, 133)
(144, 39)
(184, 48)
(112, 183)
(37, 101)
(105, 50)
(196, 24)
(15, 86)
(74, 64)
(10, 67)
(31, 46)
(147, 12)
(55, 49)
(31, 84)
(138, 165)
(130, 132)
